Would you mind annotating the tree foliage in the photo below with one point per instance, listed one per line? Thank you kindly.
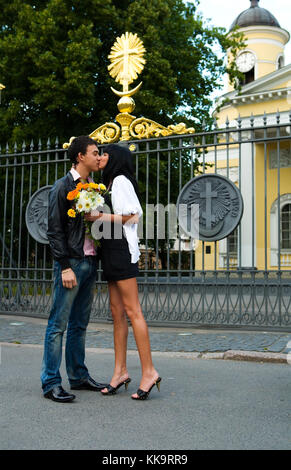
(54, 62)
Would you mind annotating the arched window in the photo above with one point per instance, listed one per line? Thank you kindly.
(284, 237)
(248, 77)
(280, 62)
(286, 227)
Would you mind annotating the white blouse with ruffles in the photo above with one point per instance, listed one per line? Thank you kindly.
(125, 202)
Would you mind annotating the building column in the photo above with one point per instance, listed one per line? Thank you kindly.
(248, 221)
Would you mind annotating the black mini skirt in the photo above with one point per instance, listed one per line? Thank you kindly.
(116, 260)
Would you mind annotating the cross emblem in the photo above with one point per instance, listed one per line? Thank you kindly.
(208, 195)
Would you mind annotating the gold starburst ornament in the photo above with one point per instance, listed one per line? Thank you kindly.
(127, 62)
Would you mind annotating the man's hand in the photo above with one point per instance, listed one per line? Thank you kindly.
(69, 278)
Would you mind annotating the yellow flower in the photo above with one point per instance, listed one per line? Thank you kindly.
(93, 185)
(102, 187)
(71, 213)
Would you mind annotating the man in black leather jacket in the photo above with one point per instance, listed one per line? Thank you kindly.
(74, 280)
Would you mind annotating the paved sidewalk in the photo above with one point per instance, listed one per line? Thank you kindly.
(216, 344)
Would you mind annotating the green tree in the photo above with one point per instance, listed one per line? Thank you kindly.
(54, 62)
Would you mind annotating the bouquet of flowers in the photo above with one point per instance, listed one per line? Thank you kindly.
(86, 198)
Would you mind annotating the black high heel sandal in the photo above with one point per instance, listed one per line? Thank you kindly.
(112, 390)
(142, 395)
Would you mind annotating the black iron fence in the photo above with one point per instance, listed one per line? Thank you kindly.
(243, 281)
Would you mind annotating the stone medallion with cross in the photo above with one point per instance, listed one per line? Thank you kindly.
(219, 203)
(36, 215)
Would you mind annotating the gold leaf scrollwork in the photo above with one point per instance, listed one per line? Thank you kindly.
(107, 133)
(143, 128)
(66, 145)
(181, 128)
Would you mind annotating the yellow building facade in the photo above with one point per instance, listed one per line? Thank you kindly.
(253, 163)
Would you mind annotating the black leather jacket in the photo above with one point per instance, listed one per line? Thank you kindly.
(66, 235)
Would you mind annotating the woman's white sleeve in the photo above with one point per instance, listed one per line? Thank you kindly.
(124, 198)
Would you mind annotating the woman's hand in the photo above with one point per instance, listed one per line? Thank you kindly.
(130, 219)
(92, 216)
(121, 219)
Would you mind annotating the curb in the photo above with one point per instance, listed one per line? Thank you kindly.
(230, 355)
(251, 356)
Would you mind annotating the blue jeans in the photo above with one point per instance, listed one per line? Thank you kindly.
(71, 307)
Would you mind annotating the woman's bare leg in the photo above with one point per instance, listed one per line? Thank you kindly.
(120, 328)
(129, 294)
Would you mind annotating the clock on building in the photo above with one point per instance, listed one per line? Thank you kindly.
(245, 61)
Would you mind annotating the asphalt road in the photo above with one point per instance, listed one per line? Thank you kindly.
(203, 404)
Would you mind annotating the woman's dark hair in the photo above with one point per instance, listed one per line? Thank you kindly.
(120, 163)
(79, 145)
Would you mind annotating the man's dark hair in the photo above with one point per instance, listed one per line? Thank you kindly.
(79, 145)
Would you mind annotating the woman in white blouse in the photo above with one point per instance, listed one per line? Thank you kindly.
(119, 258)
